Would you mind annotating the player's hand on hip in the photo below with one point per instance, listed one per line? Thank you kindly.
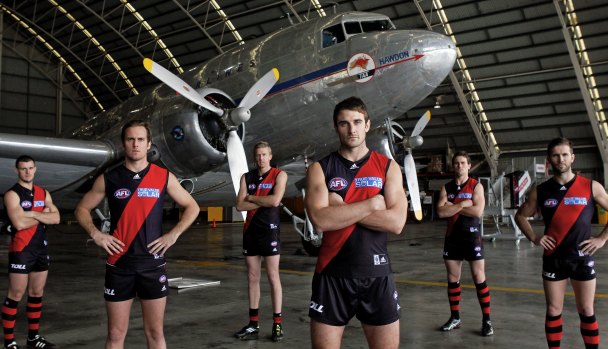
(108, 242)
(162, 244)
(589, 247)
(546, 241)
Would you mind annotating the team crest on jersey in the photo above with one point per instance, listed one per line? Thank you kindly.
(39, 203)
(367, 182)
(148, 193)
(337, 183)
(26, 204)
(122, 193)
(550, 203)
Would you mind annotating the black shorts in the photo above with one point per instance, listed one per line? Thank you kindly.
(262, 243)
(463, 248)
(28, 261)
(123, 284)
(580, 269)
(334, 301)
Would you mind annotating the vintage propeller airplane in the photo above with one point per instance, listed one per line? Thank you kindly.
(300, 73)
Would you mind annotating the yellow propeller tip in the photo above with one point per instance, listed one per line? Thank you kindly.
(276, 73)
(148, 64)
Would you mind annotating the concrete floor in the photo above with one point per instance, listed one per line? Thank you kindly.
(206, 317)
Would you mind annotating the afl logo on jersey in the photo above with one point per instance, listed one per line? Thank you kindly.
(251, 186)
(26, 204)
(550, 203)
(122, 193)
(450, 196)
(337, 184)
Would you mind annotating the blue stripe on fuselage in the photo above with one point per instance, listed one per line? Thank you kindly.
(308, 77)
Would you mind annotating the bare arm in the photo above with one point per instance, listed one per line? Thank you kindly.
(50, 215)
(328, 218)
(83, 215)
(15, 212)
(447, 209)
(392, 219)
(241, 203)
(273, 200)
(528, 209)
(191, 211)
(478, 203)
(592, 245)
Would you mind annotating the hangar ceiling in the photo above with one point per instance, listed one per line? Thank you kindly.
(514, 87)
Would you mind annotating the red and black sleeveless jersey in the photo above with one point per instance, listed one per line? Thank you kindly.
(30, 200)
(461, 225)
(567, 211)
(262, 218)
(354, 251)
(136, 210)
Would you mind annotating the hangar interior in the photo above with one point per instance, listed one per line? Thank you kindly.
(527, 71)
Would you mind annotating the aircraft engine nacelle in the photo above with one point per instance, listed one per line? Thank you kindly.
(387, 140)
(192, 139)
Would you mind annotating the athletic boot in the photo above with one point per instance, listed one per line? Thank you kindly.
(277, 332)
(39, 342)
(486, 328)
(451, 324)
(248, 332)
(12, 345)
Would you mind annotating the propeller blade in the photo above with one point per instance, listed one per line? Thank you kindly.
(412, 184)
(260, 89)
(179, 85)
(237, 161)
(421, 124)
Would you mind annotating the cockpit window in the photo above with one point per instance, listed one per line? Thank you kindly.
(333, 35)
(376, 26)
(352, 27)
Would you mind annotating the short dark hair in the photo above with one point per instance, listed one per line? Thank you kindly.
(261, 144)
(24, 158)
(134, 123)
(351, 103)
(462, 153)
(559, 141)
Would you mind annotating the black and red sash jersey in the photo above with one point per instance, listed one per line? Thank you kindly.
(35, 236)
(567, 211)
(136, 210)
(460, 225)
(354, 251)
(262, 218)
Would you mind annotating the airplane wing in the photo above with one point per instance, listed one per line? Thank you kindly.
(61, 163)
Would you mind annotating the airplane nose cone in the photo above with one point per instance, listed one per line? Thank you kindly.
(439, 55)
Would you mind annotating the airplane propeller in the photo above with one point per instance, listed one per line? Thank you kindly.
(237, 161)
(409, 167)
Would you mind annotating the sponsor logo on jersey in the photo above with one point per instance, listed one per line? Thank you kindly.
(316, 307)
(163, 289)
(575, 201)
(26, 204)
(366, 182)
(148, 192)
(380, 259)
(550, 202)
(337, 184)
(265, 185)
(39, 203)
(563, 188)
(109, 291)
(465, 195)
(162, 279)
(122, 193)
(354, 167)
(251, 186)
(18, 266)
